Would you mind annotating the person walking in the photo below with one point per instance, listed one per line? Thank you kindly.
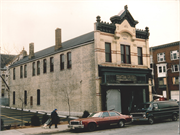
(54, 118)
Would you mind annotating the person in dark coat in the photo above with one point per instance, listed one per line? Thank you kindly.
(54, 118)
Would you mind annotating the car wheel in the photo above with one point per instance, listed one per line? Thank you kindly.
(91, 127)
(151, 120)
(174, 117)
(121, 123)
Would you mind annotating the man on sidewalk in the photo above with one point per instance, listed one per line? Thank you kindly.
(54, 118)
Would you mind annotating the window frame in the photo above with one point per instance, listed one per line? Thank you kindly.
(33, 69)
(140, 56)
(125, 54)
(161, 56)
(44, 66)
(108, 57)
(62, 62)
(173, 68)
(175, 80)
(25, 71)
(21, 71)
(38, 67)
(69, 61)
(38, 96)
(51, 64)
(25, 97)
(14, 97)
(14, 73)
(172, 54)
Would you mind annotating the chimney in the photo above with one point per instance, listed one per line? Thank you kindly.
(58, 39)
(31, 50)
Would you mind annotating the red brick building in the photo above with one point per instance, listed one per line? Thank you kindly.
(165, 66)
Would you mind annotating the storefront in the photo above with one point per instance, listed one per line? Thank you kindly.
(122, 89)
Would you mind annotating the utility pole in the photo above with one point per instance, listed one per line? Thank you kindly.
(167, 86)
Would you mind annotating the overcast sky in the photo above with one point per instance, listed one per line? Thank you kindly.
(26, 21)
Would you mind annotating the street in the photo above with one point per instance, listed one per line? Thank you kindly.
(166, 127)
(15, 117)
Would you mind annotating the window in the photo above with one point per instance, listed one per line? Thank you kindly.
(140, 62)
(33, 69)
(44, 66)
(38, 67)
(25, 97)
(38, 97)
(113, 114)
(161, 57)
(25, 71)
(160, 69)
(105, 114)
(14, 74)
(108, 52)
(174, 54)
(62, 61)
(2, 94)
(151, 59)
(69, 64)
(31, 100)
(175, 68)
(175, 80)
(21, 71)
(125, 54)
(13, 97)
(162, 81)
(51, 64)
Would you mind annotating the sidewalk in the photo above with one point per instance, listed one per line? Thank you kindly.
(35, 130)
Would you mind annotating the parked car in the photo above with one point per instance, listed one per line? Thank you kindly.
(152, 111)
(101, 118)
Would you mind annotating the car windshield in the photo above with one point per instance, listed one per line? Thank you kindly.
(143, 107)
(95, 114)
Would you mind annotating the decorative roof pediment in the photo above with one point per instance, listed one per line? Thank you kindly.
(124, 14)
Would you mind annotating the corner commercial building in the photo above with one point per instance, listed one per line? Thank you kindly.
(107, 68)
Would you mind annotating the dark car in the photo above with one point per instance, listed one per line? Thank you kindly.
(97, 119)
(152, 111)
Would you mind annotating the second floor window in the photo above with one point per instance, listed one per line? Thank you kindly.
(62, 61)
(108, 52)
(174, 54)
(25, 71)
(14, 73)
(161, 57)
(44, 66)
(140, 62)
(51, 64)
(175, 68)
(125, 54)
(38, 67)
(69, 64)
(21, 71)
(33, 69)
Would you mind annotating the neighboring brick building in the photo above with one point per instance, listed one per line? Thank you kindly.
(104, 69)
(165, 63)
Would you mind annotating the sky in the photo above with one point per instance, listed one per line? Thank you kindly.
(26, 21)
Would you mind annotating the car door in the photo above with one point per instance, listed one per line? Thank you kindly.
(114, 117)
(156, 112)
(105, 119)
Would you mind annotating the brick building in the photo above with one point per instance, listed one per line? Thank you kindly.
(165, 64)
(107, 68)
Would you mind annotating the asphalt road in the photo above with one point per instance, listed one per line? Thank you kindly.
(16, 117)
(166, 127)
